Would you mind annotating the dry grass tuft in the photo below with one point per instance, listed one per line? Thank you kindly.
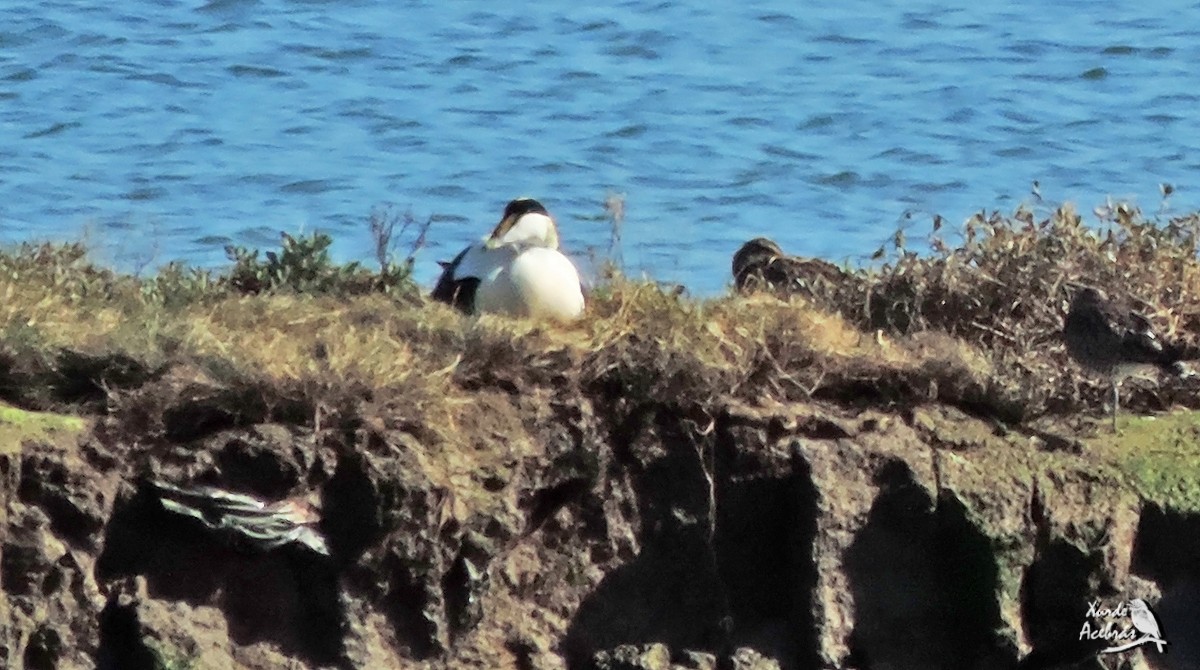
(973, 325)
(1004, 290)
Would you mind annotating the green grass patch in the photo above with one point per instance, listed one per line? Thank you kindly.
(18, 426)
(1160, 454)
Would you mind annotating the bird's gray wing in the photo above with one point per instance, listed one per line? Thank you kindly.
(1139, 344)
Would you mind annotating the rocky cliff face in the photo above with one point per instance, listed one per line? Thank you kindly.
(881, 472)
(584, 528)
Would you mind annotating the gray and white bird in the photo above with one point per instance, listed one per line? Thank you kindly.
(517, 270)
(1116, 342)
(1144, 621)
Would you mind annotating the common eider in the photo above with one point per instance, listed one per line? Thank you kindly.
(517, 270)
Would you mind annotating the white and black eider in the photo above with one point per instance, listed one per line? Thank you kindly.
(517, 270)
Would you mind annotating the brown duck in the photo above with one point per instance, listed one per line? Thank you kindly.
(761, 265)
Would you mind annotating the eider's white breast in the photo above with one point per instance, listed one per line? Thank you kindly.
(536, 282)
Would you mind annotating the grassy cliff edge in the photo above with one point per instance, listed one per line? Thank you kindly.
(903, 471)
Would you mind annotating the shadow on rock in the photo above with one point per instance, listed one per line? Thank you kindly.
(749, 585)
(1167, 551)
(1054, 603)
(924, 582)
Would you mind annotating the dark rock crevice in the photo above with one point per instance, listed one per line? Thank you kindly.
(352, 518)
(924, 581)
(408, 604)
(1167, 551)
(464, 586)
(121, 644)
(547, 501)
(668, 592)
(742, 579)
(1055, 592)
(765, 529)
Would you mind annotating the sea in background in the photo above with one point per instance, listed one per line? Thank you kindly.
(168, 129)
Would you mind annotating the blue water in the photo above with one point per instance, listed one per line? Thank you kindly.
(167, 129)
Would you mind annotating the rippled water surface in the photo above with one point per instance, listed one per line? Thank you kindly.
(168, 129)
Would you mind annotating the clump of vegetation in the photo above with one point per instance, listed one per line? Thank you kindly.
(1004, 282)
(1005, 287)
(303, 264)
(73, 332)
(291, 334)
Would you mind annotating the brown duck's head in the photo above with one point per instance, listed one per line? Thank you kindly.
(753, 256)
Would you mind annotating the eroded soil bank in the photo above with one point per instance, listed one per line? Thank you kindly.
(587, 530)
(897, 468)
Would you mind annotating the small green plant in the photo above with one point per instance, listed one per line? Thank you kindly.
(301, 265)
(177, 285)
(168, 658)
(63, 267)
